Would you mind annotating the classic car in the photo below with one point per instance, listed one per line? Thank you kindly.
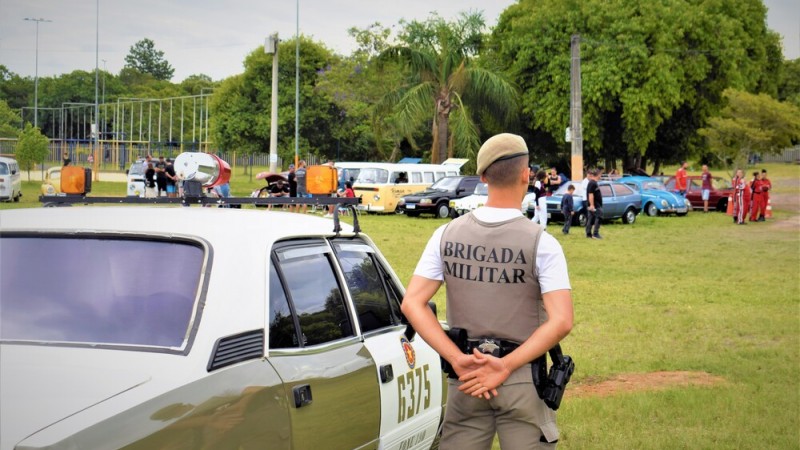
(718, 196)
(461, 206)
(52, 181)
(170, 327)
(619, 202)
(436, 199)
(656, 199)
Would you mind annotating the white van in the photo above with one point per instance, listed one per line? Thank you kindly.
(10, 181)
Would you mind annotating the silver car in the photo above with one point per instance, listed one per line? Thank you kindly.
(145, 328)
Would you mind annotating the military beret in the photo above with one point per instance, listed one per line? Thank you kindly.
(500, 147)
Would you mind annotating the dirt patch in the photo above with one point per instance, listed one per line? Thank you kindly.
(639, 382)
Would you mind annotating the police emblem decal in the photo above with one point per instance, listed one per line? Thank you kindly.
(408, 351)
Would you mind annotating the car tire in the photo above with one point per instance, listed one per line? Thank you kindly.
(629, 216)
(16, 198)
(580, 218)
(442, 211)
(651, 209)
(722, 205)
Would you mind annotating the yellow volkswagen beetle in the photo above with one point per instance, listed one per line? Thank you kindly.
(52, 181)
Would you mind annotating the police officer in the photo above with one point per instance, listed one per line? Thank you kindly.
(507, 286)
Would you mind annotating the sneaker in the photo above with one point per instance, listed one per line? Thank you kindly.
(597, 236)
(762, 219)
(588, 236)
(565, 232)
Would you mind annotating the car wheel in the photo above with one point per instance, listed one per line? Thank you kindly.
(651, 209)
(629, 216)
(412, 214)
(722, 205)
(442, 211)
(580, 219)
(16, 198)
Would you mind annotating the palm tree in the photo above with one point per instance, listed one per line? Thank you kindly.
(445, 83)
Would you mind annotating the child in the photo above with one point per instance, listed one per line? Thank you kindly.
(568, 208)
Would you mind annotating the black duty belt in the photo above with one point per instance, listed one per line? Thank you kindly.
(491, 346)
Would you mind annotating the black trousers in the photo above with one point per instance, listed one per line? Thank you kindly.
(593, 221)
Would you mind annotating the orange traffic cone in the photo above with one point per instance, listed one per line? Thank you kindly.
(768, 215)
(730, 206)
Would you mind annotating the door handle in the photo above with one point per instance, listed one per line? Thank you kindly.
(302, 395)
(387, 374)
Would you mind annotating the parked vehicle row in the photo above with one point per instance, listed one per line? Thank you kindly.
(436, 199)
(620, 201)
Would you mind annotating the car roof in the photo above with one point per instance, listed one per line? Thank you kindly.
(253, 227)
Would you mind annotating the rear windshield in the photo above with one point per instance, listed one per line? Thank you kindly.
(98, 291)
(137, 168)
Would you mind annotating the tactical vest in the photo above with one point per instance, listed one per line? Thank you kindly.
(490, 275)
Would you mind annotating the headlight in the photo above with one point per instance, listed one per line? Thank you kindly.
(425, 201)
(664, 203)
(50, 189)
(376, 197)
(452, 203)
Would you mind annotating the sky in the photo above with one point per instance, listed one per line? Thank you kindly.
(213, 37)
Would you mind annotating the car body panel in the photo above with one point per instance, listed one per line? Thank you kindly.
(655, 193)
(136, 180)
(52, 181)
(721, 190)
(10, 179)
(117, 396)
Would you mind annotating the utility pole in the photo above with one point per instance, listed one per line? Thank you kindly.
(36, 77)
(271, 46)
(576, 114)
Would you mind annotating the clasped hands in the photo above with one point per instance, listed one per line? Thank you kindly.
(481, 374)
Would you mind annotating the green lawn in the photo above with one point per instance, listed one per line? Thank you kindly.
(693, 293)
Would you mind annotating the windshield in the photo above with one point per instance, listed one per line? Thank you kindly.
(98, 291)
(137, 168)
(372, 176)
(447, 184)
(481, 189)
(3, 168)
(656, 185)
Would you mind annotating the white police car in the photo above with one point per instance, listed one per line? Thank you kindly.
(205, 328)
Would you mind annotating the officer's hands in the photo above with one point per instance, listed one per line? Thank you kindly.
(483, 381)
(464, 363)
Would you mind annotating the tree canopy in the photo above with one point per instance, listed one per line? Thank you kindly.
(749, 124)
(144, 57)
(31, 149)
(652, 72)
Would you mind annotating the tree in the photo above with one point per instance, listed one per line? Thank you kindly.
(789, 84)
(751, 124)
(652, 72)
(32, 148)
(144, 57)
(242, 103)
(444, 86)
(9, 121)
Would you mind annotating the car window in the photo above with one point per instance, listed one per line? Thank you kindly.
(366, 286)
(605, 190)
(694, 184)
(282, 330)
(446, 184)
(440, 175)
(3, 168)
(137, 168)
(98, 291)
(720, 183)
(416, 177)
(632, 186)
(655, 185)
(373, 176)
(670, 184)
(622, 189)
(55, 175)
(481, 189)
(314, 293)
(428, 177)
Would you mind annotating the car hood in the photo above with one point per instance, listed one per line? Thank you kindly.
(41, 385)
(471, 201)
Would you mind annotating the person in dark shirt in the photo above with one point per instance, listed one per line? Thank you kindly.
(161, 175)
(171, 178)
(67, 159)
(594, 201)
(150, 181)
(568, 208)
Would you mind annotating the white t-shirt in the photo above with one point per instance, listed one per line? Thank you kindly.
(550, 261)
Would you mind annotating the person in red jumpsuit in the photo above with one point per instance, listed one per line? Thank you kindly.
(759, 203)
(741, 198)
(766, 186)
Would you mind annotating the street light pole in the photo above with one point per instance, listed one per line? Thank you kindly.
(36, 76)
(96, 94)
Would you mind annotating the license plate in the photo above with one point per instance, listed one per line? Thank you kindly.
(681, 210)
(549, 215)
(411, 206)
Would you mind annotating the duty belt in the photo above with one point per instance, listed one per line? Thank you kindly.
(491, 346)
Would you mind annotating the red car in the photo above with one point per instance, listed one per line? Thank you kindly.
(718, 198)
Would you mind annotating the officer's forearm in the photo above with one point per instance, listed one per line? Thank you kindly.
(415, 309)
(558, 325)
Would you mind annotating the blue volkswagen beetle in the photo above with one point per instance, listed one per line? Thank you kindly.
(656, 199)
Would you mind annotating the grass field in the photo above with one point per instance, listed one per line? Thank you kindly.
(690, 294)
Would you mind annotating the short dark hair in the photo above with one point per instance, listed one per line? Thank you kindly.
(571, 187)
(763, 170)
(504, 173)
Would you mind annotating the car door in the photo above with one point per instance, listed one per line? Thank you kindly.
(625, 197)
(329, 375)
(610, 206)
(467, 186)
(408, 370)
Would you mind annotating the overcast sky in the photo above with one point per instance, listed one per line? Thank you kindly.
(213, 37)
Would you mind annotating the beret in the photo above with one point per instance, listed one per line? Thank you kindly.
(500, 147)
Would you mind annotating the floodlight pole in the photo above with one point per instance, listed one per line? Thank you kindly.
(272, 47)
(576, 120)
